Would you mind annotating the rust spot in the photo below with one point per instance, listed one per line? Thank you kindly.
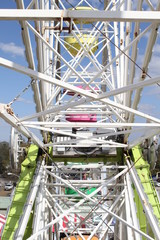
(135, 34)
(9, 110)
(143, 74)
(127, 30)
(38, 30)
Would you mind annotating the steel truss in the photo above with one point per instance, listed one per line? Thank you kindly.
(87, 81)
(95, 207)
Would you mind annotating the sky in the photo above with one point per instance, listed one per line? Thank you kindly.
(12, 83)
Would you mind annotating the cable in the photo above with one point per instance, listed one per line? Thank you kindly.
(123, 53)
(33, 81)
(22, 92)
(117, 46)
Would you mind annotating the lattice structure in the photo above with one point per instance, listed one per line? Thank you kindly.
(88, 78)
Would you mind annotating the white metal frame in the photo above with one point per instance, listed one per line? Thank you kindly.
(109, 90)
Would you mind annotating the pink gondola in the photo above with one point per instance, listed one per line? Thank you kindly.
(70, 93)
(81, 118)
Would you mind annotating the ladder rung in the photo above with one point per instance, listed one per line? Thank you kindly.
(142, 166)
(151, 192)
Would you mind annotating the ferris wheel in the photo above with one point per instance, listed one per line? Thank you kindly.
(89, 70)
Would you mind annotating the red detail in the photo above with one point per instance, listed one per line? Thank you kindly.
(2, 222)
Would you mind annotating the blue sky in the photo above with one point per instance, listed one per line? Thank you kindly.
(12, 83)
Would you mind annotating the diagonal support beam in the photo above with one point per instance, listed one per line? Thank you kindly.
(29, 204)
(7, 114)
(89, 197)
(29, 56)
(91, 96)
(146, 206)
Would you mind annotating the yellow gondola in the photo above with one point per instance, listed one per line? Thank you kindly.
(73, 45)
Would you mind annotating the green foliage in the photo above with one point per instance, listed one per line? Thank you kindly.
(4, 156)
(158, 159)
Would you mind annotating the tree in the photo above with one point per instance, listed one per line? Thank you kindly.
(4, 156)
(158, 159)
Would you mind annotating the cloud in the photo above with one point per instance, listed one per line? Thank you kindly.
(147, 34)
(20, 99)
(151, 107)
(147, 108)
(154, 66)
(156, 48)
(12, 48)
(153, 91)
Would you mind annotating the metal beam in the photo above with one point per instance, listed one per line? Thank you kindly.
(99, 141)
(146, 61)
(91, 96)
(132, 205)
(149, 133)
(29, 204)
(7, 114)
(87, 124)
(144, 201)
(88, 197)
(29, 57)
(87, 15)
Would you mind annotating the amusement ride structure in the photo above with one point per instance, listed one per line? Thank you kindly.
(85, 175)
